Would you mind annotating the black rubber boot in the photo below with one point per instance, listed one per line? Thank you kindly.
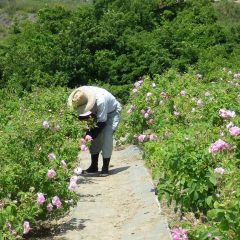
(94, 165)
(105, 168)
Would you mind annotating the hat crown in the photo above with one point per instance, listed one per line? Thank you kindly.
(79, 99)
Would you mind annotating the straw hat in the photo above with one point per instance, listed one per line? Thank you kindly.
(82, 100)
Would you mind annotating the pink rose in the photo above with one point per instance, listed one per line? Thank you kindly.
(152, 137)
(73, 179)
(138, 83)
(83, 147)
(182, 93)
(134, 90)
(45, 125)
(40, 198)
(143, 111)
(88, 138)
(51, 173)
(56, 202)
(218, 146)
(229, 125)
(141, 138)
(146, 115)
(226, 113)
(72, 186)
(26, 227)
(49, 207)
(219, 170)
(51, 156)
(234, 131)
(179, 234)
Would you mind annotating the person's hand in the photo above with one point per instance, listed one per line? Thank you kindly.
(84, 118)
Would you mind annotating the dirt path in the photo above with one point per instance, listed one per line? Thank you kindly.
(120, 206)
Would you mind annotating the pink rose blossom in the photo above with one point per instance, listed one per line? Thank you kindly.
(234, 131)
(73, 179)
(88, 138)
(141, 138)
(56, 202)
(218, 146)
(138, 83)
(236, 75)
(83, 147)
(182, 93)
(51, 173)
(152, 137)
(40, 198)
(45, 125)
(226, 113)
(143, 111)
(49, 207)
(146, 115)
(72, 186)
(179, 234)
(51, 156)
(26, 227)
(229, 125)
(219, 170)
(134, 90)
(149, 110)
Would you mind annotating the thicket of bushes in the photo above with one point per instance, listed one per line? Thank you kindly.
(116, 42)
(190, 133)
(39, 135)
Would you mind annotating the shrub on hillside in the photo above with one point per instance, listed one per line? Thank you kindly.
(39, 146)
(189, 129)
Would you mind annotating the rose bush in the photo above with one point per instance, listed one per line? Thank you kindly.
(195, 153)
(39, 144)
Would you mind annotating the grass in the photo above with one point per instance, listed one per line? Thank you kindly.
(11, 6)
(228, 12)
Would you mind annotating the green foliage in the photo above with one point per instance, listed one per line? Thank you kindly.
(25, 146)
(116, 42)
(175, 119)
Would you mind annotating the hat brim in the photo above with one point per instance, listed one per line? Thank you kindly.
(83, 109)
